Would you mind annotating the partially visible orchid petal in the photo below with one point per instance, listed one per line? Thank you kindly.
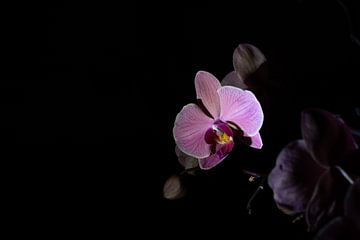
(242, 108)
(285, 209)
(189, 131)
(221, 153)
(239, 134)
(232, 79)
(323, 201)
(256, 141)
(328, 139)
(206, 86)
(348, 226)
(352, 204)
(294, 177)
(185, 160)
(337, 229)
(173, 188)
(246, 60)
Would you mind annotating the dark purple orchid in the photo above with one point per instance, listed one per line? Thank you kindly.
(348, 225)
(206, 130)
(304, 178)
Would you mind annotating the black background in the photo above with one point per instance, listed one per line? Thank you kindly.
(116, 75)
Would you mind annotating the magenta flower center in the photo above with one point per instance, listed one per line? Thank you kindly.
(219, 133)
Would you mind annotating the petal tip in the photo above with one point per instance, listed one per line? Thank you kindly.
(256, 141)
(200, 75)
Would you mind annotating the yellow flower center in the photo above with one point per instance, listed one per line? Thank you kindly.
(222, 137)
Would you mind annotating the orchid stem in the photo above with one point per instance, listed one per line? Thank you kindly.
(257, 191)
(188, 170)
(298, 218)
(355, 132)
(353, 38)
(345, 175)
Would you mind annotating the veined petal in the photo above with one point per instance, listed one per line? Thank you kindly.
(222, 151)
(206, 86)
(189, 131)
(242, 108)
(294, 177)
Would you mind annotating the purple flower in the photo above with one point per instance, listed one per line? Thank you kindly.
(306, 175)
(206, 130)
(348, 225)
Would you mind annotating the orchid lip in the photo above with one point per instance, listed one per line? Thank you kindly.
(219, 133)
(222, 137)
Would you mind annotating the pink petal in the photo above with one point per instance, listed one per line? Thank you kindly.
(256, 141)
(189, 131)
(206, 86)
(242, 108)
(222, 151)
(232, 79)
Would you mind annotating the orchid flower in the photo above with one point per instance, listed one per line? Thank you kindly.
(348, 225)
(308, 175)
(206, 130)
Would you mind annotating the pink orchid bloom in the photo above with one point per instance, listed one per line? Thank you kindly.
(205, 131)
